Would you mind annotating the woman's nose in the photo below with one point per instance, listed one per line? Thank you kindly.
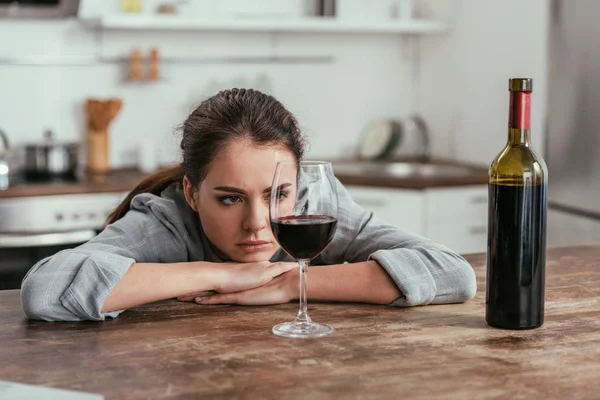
(256, 219)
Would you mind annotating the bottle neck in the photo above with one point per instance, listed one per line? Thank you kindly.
(519, 118)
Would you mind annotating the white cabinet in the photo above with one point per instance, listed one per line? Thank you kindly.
(456, 216)
(564, 229)
(403, 208)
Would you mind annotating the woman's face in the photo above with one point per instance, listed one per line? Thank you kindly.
(233, 200)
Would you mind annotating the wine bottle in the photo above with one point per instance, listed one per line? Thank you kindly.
(518, 197)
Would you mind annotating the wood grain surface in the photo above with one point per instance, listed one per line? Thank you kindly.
(172, 350)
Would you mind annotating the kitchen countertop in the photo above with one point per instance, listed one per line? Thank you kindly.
(121, 180)
(477, 176)
(126, 179)
(180, 350)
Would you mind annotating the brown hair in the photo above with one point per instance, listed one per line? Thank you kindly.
(235, 114)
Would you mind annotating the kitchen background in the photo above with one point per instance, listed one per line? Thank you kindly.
(455, 76)
(445, 60)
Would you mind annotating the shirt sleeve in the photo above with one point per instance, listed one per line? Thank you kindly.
(73, 284)
(426, 272)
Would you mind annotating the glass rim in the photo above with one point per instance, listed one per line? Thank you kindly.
(306, 162)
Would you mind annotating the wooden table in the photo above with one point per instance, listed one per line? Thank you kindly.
(180, 350)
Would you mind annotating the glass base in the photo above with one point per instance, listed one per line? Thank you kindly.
(302, 330)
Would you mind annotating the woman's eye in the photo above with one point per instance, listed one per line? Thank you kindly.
(282, 195)
(230, 200)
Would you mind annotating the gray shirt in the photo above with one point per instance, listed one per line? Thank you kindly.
(73, 284)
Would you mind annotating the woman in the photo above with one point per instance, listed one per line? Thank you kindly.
(200, 232)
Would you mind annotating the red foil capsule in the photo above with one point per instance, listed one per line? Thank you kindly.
(520, 110)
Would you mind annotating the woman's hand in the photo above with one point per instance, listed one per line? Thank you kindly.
(239, 277)
(281, 289)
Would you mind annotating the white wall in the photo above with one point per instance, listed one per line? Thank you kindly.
(458, 80)
(369, 78)
(463, 76)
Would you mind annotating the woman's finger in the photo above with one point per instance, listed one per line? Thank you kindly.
(192, 296)
(227, 298)
(271, 293)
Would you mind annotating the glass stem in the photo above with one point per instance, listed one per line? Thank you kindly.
(303, 317)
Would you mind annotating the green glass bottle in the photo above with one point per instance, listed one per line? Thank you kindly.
(518, 197)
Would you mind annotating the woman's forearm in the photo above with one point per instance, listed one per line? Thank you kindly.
(363, 282)
(144, 283)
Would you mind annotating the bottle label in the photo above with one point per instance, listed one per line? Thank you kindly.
(520, 110)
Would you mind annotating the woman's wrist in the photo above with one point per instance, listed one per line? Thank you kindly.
(210, 276)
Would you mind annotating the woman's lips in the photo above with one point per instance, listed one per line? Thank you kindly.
(252, 246)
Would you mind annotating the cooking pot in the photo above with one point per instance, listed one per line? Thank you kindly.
(51, 158)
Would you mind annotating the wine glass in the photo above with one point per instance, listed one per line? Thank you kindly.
(303, 213)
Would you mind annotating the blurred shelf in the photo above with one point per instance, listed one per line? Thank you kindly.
(96, 60)
(304, 25)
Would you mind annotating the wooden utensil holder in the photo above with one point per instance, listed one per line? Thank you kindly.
(97, 150)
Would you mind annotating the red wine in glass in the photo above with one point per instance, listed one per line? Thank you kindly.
(304, 236)
(303, 208)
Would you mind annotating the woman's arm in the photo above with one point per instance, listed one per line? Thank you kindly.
(363, 282)
(149, 282)
(74, 284)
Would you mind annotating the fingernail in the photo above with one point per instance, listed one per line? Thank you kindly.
(199, 299)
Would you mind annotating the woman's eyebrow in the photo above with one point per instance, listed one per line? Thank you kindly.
(229, 189)
(282, 186)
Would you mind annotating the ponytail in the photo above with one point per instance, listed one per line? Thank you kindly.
(154, 184)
